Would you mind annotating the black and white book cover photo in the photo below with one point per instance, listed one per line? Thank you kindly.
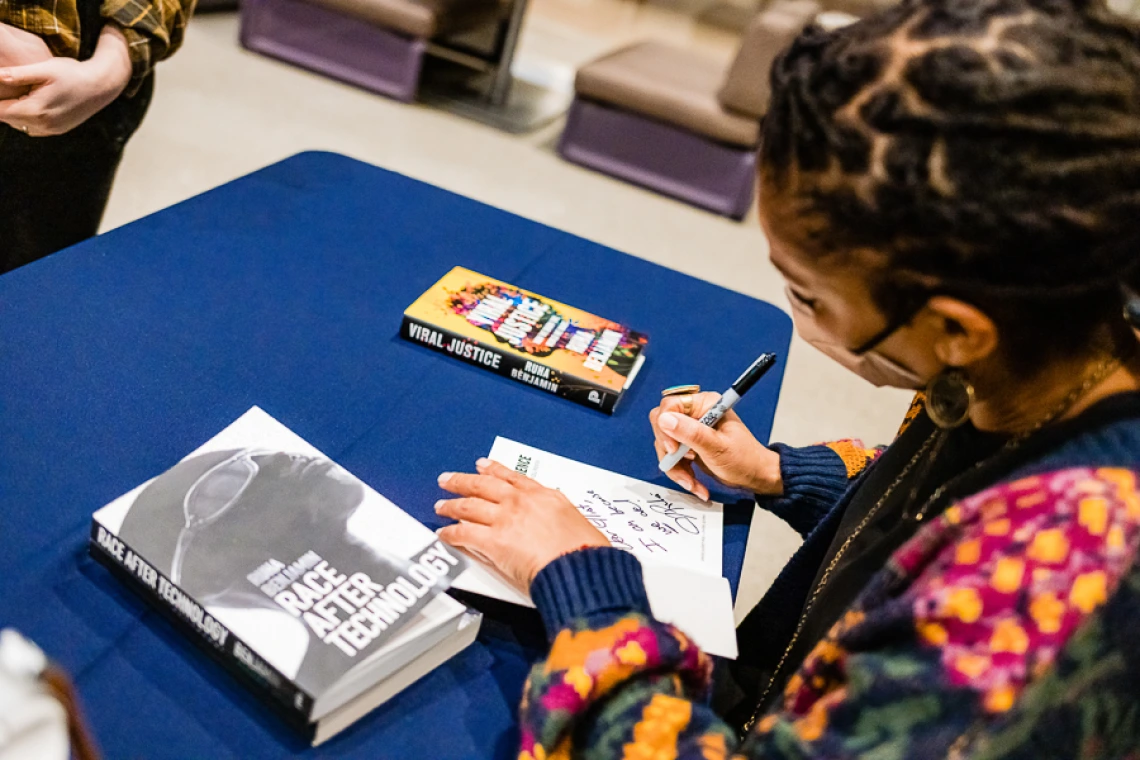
(293, 555)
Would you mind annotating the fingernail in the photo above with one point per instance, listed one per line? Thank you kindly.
(444, 477)
(482, 462)
(667, 421)
(439, 505)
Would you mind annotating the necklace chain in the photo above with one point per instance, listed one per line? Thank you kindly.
(1102, 371)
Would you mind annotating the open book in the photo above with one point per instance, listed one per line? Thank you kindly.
(677, 537)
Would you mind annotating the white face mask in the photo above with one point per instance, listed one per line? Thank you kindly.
(867, 363)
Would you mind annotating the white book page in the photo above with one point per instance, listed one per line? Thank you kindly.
(677, 537)
(698, 604)
(656, 524)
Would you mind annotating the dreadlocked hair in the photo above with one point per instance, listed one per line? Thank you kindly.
(985, 149)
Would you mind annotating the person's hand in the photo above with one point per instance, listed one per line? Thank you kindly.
(63, 92)
(729, 452)
(511, 521)
(20, 48)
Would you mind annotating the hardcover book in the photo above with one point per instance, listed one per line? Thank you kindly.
(310, 586)
(527, 337)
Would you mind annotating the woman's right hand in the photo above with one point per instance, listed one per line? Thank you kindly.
(729, 452)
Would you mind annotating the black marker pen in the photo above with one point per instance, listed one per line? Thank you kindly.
(728, 400)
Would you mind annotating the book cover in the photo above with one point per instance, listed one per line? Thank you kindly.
(527, 337)
(290, 568)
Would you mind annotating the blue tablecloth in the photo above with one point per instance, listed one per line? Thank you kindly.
(285, 289)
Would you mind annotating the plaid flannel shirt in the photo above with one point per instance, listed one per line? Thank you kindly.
(154, 28)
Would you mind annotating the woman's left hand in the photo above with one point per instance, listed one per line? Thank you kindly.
(511, 521)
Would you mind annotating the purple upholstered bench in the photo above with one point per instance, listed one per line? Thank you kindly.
(673, 121)
(375, 44)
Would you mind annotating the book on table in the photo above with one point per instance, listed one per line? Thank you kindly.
(311, 587)
(527, 337)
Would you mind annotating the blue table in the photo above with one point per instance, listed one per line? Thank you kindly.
(285, 289)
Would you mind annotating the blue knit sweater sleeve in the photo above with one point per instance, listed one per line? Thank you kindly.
(814, 477)
(587, 583)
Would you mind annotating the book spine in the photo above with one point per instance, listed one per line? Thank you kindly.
(198, 625)
(509, 365)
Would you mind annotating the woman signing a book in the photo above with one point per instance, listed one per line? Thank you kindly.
(952, 193)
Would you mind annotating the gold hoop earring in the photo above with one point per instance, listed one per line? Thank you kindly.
(949, 396)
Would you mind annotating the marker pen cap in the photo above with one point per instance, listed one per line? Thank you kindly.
(753, 373)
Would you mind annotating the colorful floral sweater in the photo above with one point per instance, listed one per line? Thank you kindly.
(1007, 627)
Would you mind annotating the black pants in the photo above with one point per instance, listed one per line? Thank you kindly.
(53, 190)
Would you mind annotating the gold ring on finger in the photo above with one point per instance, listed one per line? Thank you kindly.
(686, 404)
(680, 390)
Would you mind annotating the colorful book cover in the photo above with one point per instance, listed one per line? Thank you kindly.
(527, 337)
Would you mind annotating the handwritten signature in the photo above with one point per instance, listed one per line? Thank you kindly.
(666, 508)
(613, 517)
